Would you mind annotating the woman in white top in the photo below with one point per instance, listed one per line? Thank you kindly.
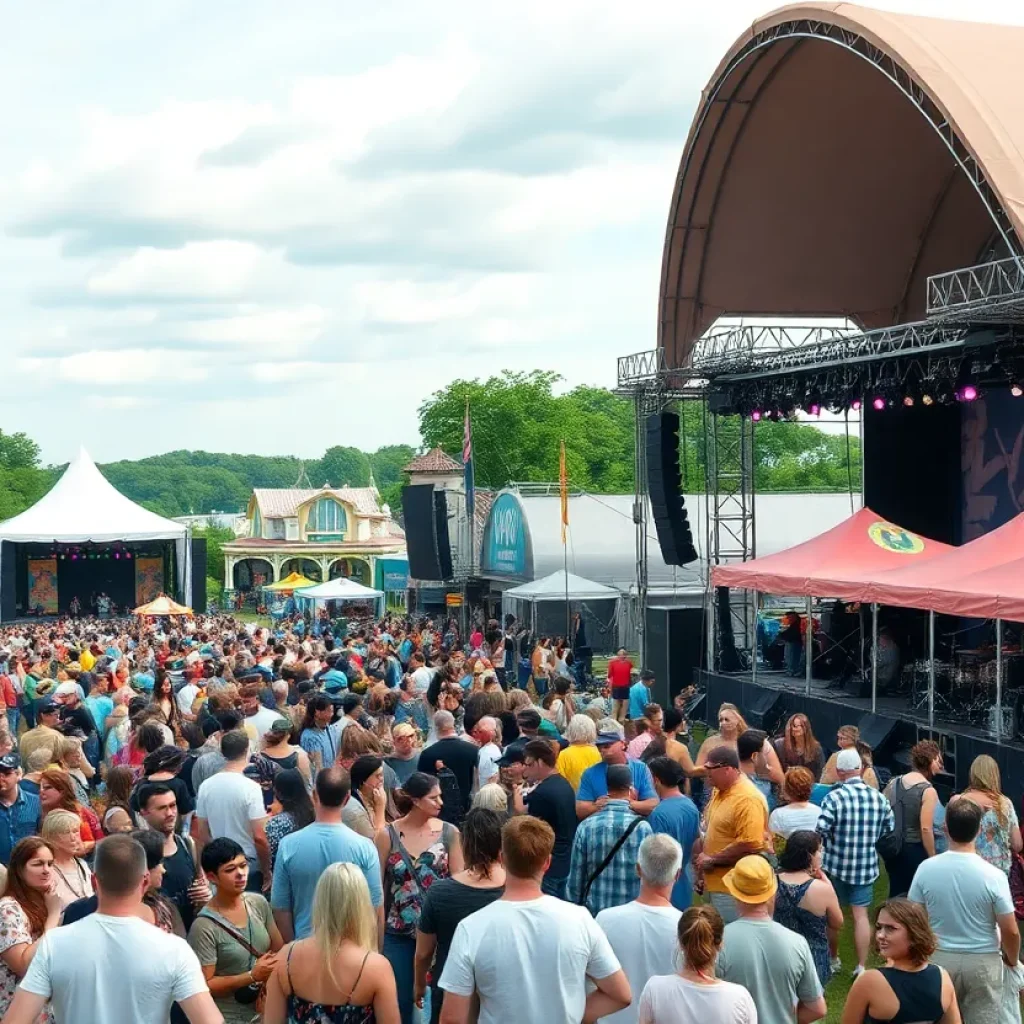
(798, 814)
(695, 995)
(72, 879)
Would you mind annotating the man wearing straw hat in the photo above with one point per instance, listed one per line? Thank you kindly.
(772, 963)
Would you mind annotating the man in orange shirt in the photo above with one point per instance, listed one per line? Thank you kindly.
(620, 670)
(737, 826)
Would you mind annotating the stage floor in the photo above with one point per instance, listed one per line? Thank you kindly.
(892, 729)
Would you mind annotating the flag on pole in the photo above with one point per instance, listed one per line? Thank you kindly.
(467, 466)
(563, 489)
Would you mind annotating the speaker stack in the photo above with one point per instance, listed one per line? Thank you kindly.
(665, 487)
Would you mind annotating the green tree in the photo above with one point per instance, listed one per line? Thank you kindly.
(18, 451)
(341, 467)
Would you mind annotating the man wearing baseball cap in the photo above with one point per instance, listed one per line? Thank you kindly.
(44, 734)
(853, 818)
(593, 792)
(771, 962)
(737, 825)
(19, 811)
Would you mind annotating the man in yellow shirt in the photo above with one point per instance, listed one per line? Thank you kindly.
(86, 659)
(737, 826)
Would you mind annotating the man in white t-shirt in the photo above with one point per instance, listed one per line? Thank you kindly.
(258, 719)
(487, 760)
(644, 934)
(231, 805)
(971, 912)
(528, 956)
(421, 675)
(112, 965)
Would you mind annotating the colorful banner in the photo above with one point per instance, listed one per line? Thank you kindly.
(149, 579)
(42, 585)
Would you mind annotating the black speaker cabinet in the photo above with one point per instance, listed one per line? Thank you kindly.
(442, 541)
(665, 487)
(418, 513)
(675, 649)
(199, 574)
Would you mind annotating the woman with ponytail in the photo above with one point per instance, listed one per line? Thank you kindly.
(694, 995)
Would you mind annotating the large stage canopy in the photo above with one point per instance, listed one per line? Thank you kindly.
(84, 508)
(841, 562)
(839, 156)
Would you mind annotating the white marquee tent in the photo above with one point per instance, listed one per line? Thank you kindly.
(554, 588)
(340, 589)
(83, 507)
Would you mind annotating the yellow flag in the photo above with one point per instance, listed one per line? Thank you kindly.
(563, 487)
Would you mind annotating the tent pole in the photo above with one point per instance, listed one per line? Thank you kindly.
(931, 671)
(874, 656)
(808, 649)
(999, 680)
(753, 646)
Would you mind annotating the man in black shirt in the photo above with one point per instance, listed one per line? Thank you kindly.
(554, 801)
(457, 755)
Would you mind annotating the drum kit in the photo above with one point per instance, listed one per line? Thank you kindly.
(965, 688)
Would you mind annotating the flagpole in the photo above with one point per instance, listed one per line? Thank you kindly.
(563, 493)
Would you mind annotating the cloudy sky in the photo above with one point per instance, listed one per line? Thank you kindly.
(258, 227)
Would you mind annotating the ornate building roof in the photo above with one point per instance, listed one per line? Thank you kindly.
(280, 502)
(434, 461)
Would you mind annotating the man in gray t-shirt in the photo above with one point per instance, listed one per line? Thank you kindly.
(771, 962)
(971, 912)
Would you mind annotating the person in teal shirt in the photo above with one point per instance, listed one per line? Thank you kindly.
(640, 695)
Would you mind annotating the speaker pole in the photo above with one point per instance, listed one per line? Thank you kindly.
(931, 671)
(999, 680)
(753, 649)
(874, 656)
(808, 649)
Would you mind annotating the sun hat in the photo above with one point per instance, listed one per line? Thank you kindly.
(752, 880)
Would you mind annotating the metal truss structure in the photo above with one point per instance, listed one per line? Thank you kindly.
(988, 293)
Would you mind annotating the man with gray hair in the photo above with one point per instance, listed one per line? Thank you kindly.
(602, 869)
(113, 961)
(457, 756)
(643, 933)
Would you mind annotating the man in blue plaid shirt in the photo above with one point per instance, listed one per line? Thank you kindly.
(853, 818)
(618, 882)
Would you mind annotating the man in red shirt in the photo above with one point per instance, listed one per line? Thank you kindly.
(619, 675)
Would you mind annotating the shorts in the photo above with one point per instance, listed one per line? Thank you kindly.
(851, 895)
(620, 693)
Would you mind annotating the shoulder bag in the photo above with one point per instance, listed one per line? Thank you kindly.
(255, 991)
(890, 845)
(611, 856)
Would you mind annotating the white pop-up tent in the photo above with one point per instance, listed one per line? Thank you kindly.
(340, 589)
(83, 507)
(561, 586)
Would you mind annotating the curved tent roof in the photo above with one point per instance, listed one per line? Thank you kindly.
(840, 562)
(839, 157)
(84, 507)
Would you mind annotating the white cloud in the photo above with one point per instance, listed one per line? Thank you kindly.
(114, 367)
(283, 329)
(220, 269)
(116, 402)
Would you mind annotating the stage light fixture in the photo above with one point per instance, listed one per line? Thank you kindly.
(927, 400)
(878, 404)
(815, 410)
(968, 393)
(855, 405)
(756, 415)
(908, 400)
(74, 558)
(1016, 390)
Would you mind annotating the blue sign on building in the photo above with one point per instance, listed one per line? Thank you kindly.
(506, 539)
(392, 574)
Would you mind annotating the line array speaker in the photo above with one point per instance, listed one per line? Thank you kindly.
(418, 517)
(199, 574)
(442, 542)
(665, 487)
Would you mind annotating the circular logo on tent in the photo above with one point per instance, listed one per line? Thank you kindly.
(895, 538)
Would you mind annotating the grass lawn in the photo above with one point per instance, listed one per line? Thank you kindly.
(250, 616)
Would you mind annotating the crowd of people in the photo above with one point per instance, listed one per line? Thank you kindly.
(344, 822)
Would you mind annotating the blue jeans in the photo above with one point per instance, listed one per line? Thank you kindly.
(13, 718)
(794, 655)
(400, 951)
(551, 886)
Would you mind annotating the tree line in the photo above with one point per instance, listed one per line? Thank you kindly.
(518, 421)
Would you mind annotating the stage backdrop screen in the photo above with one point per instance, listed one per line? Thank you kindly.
(42, 585)
(149, 579)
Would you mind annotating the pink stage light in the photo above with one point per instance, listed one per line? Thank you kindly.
(815, 410)
(878, 404)
(756, 415)
(855, 405)
(74, 558)
(969, 393)
(1016, 390)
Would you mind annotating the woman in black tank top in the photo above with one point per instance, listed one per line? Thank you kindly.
(909, 990)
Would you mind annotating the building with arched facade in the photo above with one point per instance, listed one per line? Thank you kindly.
(322, 534)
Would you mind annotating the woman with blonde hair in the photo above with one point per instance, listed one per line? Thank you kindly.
(846, 739)
(582, 752)
(999, 836)
(336, 974)
(694, 995)
(731, 725)
(492, 797)
(72, 878)
(71, 758)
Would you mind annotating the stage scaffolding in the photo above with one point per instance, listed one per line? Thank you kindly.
(968, 311)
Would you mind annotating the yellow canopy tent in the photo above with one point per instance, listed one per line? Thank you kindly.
(293, 581)
(163, 605)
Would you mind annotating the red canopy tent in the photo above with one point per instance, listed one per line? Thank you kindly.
(983, 579)
(841, 563)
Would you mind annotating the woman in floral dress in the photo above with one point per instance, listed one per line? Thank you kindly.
(999, 837)
(415, 851)
(29, 909)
